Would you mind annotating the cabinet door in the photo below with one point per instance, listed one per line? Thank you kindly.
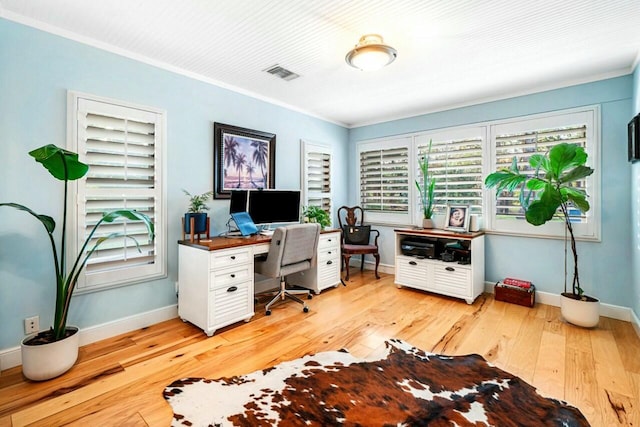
(412, 272)
(452, 279)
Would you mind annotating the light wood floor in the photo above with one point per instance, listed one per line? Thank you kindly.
(119, 381)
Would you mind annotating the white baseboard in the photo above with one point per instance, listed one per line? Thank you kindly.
(11, 357)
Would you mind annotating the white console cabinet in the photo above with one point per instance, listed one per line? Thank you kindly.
(461, 278)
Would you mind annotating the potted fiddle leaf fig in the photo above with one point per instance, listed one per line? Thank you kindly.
(316, 214)
(426, 189)
(548, 194)
(52, 352)
(197, 208)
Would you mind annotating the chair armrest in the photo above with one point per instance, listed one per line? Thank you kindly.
(375, 241)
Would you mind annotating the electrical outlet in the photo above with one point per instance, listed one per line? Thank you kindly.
(32, 325)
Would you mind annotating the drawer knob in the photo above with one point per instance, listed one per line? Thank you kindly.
(329, 253)
(450, 269)
(232, 289)
(413, 263)
(233, 275)
(329, 262)
(233, 257)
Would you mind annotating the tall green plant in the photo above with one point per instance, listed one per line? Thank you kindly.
(65, 166)
(317, 214)
(427, 186)
(550, 191)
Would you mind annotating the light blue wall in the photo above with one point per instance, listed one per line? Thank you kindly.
(605, 270)
(36, 71)
(635, 207)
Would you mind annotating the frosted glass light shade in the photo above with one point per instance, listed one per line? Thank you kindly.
(371, 53)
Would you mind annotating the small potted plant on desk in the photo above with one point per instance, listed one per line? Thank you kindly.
(550, 193)
(51, 353)
(196, 211)
(317, 214)
(426, 189)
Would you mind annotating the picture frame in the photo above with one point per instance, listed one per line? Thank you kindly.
(243, 159)
(633, 136)
(457, 218)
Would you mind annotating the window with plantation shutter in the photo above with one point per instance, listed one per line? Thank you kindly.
(384, 180)
(522, 138)
(316, 176)
(123, 146)
(456, 164)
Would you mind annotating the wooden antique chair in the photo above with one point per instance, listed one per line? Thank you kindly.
(356, 237)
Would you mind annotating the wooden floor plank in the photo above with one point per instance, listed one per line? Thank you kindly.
(119, 381)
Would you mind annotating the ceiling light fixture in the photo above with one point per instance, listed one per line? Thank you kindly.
(371, 53)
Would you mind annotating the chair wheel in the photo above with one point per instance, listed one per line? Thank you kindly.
(309, 296)
(267, 313)
(305, 309)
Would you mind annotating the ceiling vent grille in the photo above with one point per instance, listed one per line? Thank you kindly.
(281, 72)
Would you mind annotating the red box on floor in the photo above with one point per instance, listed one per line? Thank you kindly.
(515, 295)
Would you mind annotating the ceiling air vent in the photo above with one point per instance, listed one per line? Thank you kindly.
(283, 73)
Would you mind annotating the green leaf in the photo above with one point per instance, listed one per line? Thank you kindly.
(62, 164)
(575, 174)
(542, 210)
(504, 180)
(132, 215)
(577, 197)
(536, 184)
(46, 220)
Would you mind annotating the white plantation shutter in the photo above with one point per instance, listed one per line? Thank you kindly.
(456, 165)
(122, 146)
(384, 180)
(316, 176)
(521, 139)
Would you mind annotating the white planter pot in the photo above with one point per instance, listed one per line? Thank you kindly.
(46, 361)
(579, 312)
(427, 223)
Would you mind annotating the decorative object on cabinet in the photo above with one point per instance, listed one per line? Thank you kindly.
(356, 237)
(457, 218)
(50, 353)
(453, 266)
(293, 249)
(243, 159)
(426, 189)
(196, 221)
(316, 214)
(550, 192)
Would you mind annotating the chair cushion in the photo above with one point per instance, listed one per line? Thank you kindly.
(359, 248)
(356, 234)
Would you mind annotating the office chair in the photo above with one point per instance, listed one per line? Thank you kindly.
(356, 237)
(293, 248)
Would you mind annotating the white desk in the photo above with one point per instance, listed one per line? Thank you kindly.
(216, 280)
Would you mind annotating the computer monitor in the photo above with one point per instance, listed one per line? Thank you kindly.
(274, 206)
(238, 202)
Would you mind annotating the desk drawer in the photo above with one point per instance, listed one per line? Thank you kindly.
(230, 257)
(229, 304)
(224, 277)
(328, 254)
(329, 241)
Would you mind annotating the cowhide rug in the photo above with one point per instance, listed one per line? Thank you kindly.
(407, 387)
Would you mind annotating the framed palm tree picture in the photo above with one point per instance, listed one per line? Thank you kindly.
(243, 159)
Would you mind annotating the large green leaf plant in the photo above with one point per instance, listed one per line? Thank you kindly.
(427, 186)
(550, 191)
(65, 166)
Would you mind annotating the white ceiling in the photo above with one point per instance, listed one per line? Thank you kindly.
(450, 52)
